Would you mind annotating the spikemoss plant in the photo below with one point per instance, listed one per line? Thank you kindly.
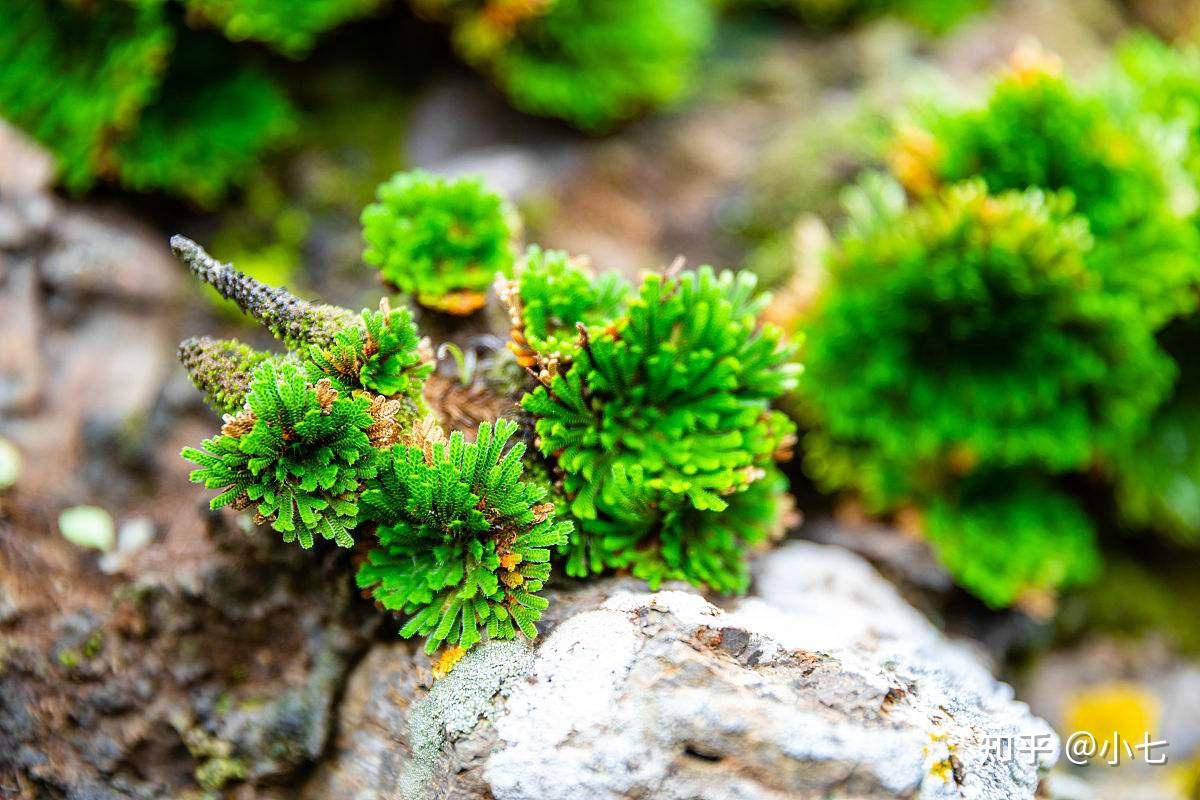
(464, 543)
(1037, 130)
(592, 64)
(118, 93)
(1012, 537)
(332, 436)
(936, 16)
(657, 417)
(78, 79)
(441, 241)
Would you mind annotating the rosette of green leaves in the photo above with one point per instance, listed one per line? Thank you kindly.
(381, 355)
(299, 455)
(442, 241)
(463, 543)
(971, 333)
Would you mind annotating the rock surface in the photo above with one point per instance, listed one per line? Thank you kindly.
(826, 684)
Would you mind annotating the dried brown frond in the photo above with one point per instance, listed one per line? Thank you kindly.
(326, 394)
(238, 426)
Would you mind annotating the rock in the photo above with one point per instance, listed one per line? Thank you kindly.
(825, 684)
(105, 253)
(25, 166)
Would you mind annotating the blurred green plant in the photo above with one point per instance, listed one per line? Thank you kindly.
(1038, 130)
(464, 543)
(968, 337)
(441, 241)
(289, 26)
(105, 87)
(594, 64)
(935, 16)
(657, 414)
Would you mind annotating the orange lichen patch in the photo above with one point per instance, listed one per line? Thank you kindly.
(460, 304)
(446, 662)
(1111, 711)
(913, 158)
(1031, 62)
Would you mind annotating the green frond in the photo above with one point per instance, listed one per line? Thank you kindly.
(298, 452)
(662, 416)
(381, 355)
(463, 543)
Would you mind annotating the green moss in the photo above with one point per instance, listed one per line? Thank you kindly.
(290, 26)
(970, 333)
(659, 417)
(592, 64)
(1038, 130)
(464, 543)
(78, 80)
(1007, 536)
(207, 130)
(441, 241)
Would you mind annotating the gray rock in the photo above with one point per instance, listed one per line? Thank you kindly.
(826, 684)
(25, 166)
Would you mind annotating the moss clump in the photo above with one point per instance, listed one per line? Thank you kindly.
(1009, 537)
(441, 241)
(1038, 130)
(78, 80)
(658, 417)
(592, 64)
(966, 343)
(298, 453)
(464, 543)
(971, 333)
(289, 26)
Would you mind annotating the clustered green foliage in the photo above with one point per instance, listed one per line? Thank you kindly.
(1001, 534)
(593, 64)
(289, 26)
(441, 241)
(327, 437)
(1038, 130)
(96, 83)
(464, 543)
(302, 459)
(657, 415)
(973, 349)
(936, 16)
